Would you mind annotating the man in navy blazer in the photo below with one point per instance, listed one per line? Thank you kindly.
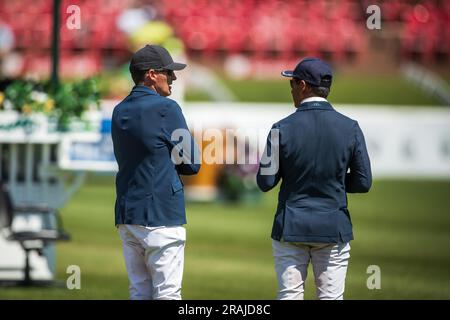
(320, 155)
(153, 146)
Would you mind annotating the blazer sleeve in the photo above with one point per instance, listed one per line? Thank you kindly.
(359, 178)
(183, 149)
(269, 172)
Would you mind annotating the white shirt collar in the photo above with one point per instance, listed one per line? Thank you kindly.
(311, 99)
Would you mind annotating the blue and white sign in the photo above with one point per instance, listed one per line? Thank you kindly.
(88, 151)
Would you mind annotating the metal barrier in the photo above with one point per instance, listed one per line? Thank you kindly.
(29, 169)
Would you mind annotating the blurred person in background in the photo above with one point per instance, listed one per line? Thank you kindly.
(319, 155)
(6, 43)
(150, 207)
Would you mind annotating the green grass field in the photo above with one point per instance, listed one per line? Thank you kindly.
(401, 226)
(347, 88)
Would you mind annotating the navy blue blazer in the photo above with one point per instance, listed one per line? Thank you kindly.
(149, 191)
(322, 156)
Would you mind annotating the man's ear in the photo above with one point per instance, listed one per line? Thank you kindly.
(303, 85)
(150, 76)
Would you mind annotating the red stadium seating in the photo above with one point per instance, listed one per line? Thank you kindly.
(260, 28)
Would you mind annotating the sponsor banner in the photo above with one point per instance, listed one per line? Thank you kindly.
(402, 141)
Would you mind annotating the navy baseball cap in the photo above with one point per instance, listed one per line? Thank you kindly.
(314, 71)
(154, 57)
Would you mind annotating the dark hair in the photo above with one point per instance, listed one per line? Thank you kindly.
(316, 91)
(320, 91)
(138, 75)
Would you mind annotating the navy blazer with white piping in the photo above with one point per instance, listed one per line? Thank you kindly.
(149, 191)
(322, 156)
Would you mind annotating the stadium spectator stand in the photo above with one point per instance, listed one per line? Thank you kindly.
(268, 28)
(215, 28)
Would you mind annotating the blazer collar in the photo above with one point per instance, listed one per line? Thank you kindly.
(314, 105)
(141, 88)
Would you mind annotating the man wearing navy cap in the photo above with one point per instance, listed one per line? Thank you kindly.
(320, 155)
(150, 209)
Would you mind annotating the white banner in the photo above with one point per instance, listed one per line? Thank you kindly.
(402, 141)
